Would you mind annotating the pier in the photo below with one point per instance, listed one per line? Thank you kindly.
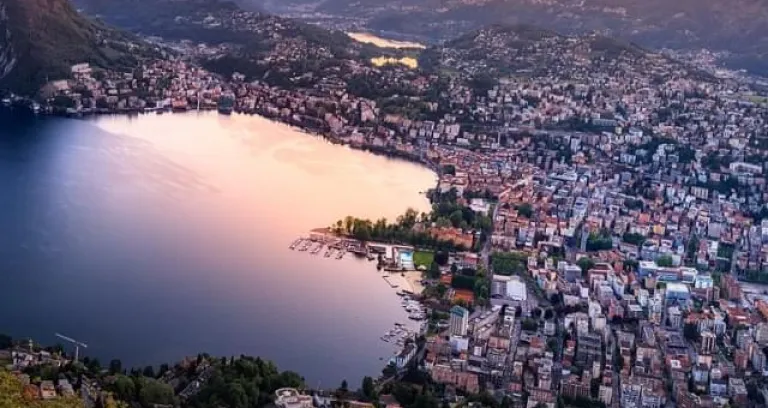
(386, 279)
(317, 242)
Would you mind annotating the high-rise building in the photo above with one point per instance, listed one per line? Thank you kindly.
(459, 321)
(707, 342)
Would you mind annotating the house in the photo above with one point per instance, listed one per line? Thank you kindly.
(405, 356)
(47, 390)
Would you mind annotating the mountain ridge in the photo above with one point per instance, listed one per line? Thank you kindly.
(44, 38)
(735, 28)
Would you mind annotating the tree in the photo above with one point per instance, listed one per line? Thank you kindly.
(115, 367)
(536, 313)
(518, 311)
(434, 271)
(152, 391)
(585, 263)
(525, 210)
(149, 371)
(5, 342)
(529, 325)
(368, 388)
(549, 314)
(124, 388)
(664, 261)
(633, 238)
(441, 257)
(441, 289)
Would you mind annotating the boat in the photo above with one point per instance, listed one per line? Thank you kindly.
(305, 246)
(295, 243)
(7, 101)
(340, 254)
(359, 250)
(317, 249)
(328, 253)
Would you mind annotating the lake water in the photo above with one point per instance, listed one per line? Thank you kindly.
(384, 42)
(156, 237)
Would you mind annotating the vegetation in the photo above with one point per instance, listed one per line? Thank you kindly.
(48, 37)
(400, 232)
(447, 212)
(13, 395)
(529, 324)
(509, 263)
(243, 382)
(664, 261)
(423, 258)
(599, 241)
(585, 263)
(633, 238)
(525, 210)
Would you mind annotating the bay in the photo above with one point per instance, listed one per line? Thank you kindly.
(156, 237)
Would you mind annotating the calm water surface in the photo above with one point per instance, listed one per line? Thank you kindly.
(157, 237)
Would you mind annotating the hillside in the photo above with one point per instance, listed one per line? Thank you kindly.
(734, 26)
(44, 38)
(523, 50)
(256, 44)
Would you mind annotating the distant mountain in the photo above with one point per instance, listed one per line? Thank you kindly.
(523, 50)
(739, 27)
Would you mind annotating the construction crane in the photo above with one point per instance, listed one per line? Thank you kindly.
(73, 341)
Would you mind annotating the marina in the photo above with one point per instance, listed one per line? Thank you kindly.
(334, 247)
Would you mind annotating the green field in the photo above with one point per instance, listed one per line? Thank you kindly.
(757, 99)
(423, 258)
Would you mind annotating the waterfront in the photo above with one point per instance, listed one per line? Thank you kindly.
(384, 42)
(155, 237)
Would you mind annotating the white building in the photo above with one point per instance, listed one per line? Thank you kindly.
(459, 323)
(405, 356)
(290, 398)
(509, 287)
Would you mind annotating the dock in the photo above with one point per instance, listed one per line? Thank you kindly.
(296, 243)
(315, 244)
(386, 279)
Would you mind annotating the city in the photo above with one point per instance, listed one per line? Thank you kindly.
(598, 233)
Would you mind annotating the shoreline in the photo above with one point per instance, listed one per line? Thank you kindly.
(389, 152)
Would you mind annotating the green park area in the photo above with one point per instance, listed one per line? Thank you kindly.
(423, 258)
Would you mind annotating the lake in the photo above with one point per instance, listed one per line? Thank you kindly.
(384, 42)
(156, 237)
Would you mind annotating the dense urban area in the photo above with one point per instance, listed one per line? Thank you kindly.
(598, 237)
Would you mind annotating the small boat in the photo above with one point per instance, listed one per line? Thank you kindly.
(295, 243)
(316, 249)
(340, 254)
